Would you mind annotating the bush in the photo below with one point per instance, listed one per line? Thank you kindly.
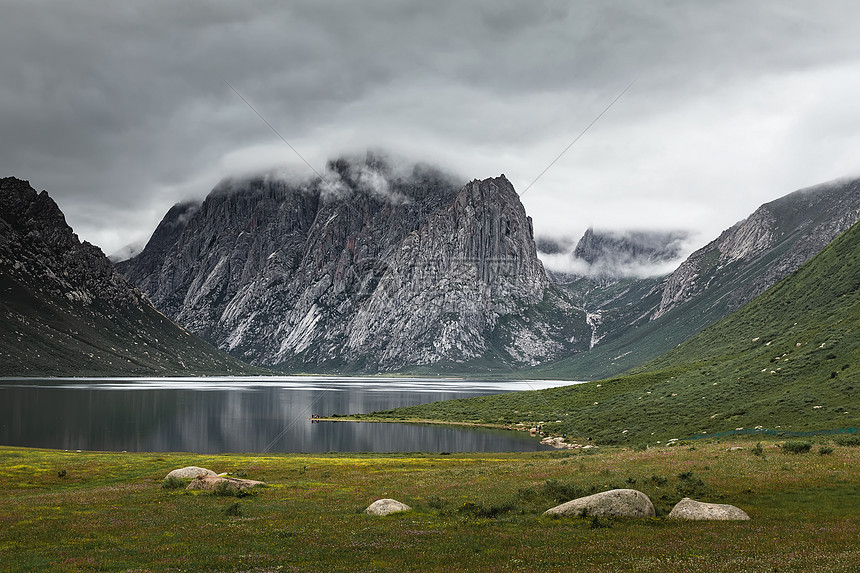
(796, 447)
(557, 491)
(758, 450)
(174, 483)
(233, 510)
(824, 450)
(491, 511)
(227, 489)
(691, 485)
(847, 440)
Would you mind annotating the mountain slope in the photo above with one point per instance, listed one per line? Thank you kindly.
(789, 360)
(65, 310)
(372, 268)
(641, 319)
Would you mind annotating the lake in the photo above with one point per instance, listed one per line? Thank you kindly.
(248, 414)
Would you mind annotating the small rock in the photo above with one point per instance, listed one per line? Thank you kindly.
(697, 510)
(386, 507)
(189, 472)
(210, 482)
(612, 503)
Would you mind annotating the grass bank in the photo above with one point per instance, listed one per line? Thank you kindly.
(80, 511)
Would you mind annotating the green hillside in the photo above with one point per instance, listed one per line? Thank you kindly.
(47, 336)
(787, 361)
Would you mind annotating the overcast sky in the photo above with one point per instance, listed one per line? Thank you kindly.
(120, 109)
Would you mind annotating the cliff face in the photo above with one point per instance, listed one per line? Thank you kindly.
(766, 247)
(370, 268)
(65, 310)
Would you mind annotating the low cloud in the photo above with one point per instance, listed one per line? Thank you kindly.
(120, 113)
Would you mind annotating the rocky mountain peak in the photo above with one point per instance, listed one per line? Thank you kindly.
(617, 249)
(372, 264)
(608, 256)
(34, 234)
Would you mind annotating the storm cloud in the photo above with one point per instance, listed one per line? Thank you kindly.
(120, 110)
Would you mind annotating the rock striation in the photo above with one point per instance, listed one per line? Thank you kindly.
(613, 503)
(65, 310)
(372, 267)
(765, 247)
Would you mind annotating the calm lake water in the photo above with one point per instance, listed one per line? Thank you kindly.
(260, 414)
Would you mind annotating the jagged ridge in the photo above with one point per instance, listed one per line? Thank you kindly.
(370, 268)
(66, 311)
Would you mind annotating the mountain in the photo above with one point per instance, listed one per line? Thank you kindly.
(66, 311)
(788, 361)
(631, 253)
(373, 267)
(609, 256)
(639, 319)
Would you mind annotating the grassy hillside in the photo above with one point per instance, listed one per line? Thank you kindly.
(49, 336)
(789, 360)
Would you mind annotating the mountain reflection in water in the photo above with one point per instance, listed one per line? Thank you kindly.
(215, 415)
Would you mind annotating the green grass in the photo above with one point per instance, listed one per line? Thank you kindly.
(475, 512)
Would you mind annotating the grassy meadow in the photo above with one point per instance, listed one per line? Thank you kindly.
(82, 511)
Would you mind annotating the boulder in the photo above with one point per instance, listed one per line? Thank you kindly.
(386, 507)
(612, 503)
(189, 472)
(211, 482)
(697, 510)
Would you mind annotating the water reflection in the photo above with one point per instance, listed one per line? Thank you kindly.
(241, 415)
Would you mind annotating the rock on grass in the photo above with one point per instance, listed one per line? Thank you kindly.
(697, 510)
(189, 472)
(612, 503)
(386, 507)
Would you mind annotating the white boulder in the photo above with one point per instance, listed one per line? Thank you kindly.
(386, 507)
(612, 503)
(189, 472)
(698, 510)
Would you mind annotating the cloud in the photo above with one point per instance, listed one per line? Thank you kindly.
(121, 110)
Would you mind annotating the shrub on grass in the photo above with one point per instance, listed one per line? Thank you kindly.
(691, 485)
(758, 450)
(558, 491)
(491, 510)
(233, 510)
(597, 523)
(824, 450)
(174, 483)
(227, 489)
(796, 447)
(847, 440)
